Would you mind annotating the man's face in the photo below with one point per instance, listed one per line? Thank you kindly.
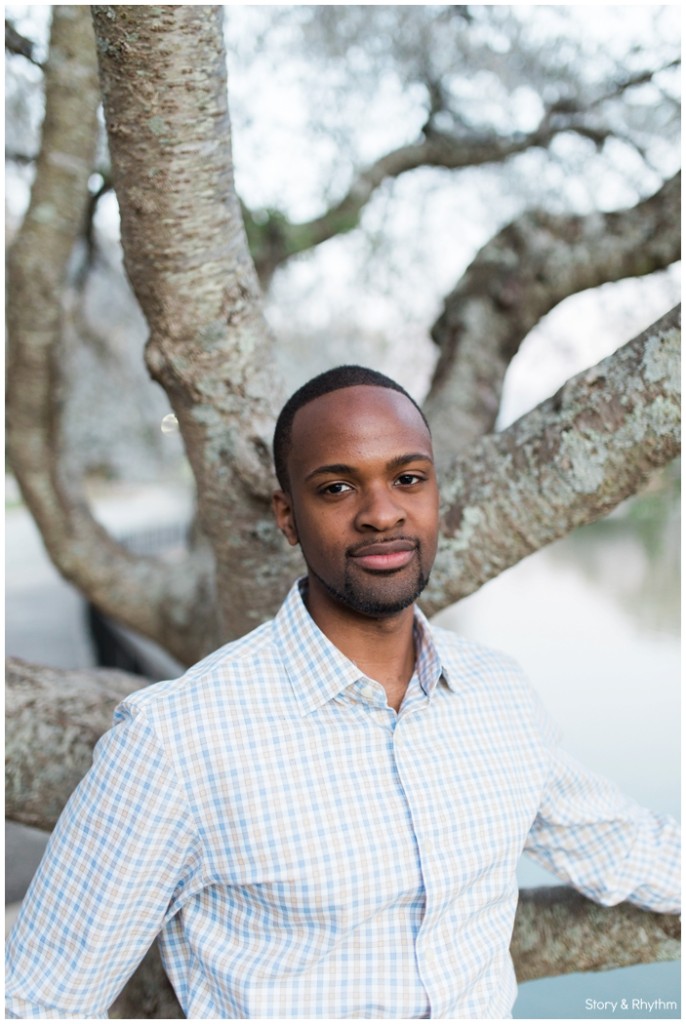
(363, 500)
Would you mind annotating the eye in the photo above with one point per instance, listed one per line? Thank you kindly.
(338, 487)
(408, 479)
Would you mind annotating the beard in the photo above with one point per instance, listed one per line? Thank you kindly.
(371, 597)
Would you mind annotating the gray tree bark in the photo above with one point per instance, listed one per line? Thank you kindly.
(147, 594)
(519, 276)
(570, 461)
(558, 931)
(53, 719)
(187, 257)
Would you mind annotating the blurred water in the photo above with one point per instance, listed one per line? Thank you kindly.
(593, 620)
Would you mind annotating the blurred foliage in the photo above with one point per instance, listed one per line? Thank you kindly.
(652, 515)
(634, 553)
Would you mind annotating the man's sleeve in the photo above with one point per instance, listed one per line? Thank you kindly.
(589, 834)
(121, 861)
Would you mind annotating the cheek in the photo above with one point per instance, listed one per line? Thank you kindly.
(319, 530)
(430, 526)
(428, 508)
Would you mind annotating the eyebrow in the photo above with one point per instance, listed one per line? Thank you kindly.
(344, 470)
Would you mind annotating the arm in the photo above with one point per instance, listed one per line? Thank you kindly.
(603, 843)
(120, 863)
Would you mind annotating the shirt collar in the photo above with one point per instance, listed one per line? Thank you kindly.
(430, 668)
(318, 671)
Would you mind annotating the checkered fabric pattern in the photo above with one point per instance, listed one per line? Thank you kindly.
(306, 852)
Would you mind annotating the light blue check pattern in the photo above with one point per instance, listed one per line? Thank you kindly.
(307, 853)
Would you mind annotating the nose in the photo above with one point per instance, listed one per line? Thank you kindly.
(379, 509)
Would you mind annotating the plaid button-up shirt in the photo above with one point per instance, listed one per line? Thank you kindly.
(304, 851)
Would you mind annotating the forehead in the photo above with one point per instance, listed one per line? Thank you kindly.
(361, 422)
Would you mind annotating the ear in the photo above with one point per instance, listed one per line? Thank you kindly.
(283, 513)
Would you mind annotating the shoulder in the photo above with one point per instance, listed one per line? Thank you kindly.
(492, 679)
(238, 672)
(471, 658)
(486, 673)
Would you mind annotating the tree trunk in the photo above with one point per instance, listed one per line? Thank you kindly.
(519, 276)
(187, 257)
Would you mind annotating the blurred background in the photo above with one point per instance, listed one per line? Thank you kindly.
(316, 94)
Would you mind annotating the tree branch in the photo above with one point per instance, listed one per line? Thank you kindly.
(632, 81)
(89, 227)
(568, 462)
(18, 44)
(156, 599)
(274, 238)
(519, 276)
(55, 718)
(559, 931)
(19, 158)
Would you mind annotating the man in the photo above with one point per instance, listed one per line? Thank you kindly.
(324, 818)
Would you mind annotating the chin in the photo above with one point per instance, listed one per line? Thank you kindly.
(380, 600)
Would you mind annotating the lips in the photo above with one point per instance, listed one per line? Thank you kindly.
(385, 555)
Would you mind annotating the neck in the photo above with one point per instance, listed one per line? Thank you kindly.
(382, 648)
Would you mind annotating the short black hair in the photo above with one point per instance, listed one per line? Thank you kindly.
(331, 380)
